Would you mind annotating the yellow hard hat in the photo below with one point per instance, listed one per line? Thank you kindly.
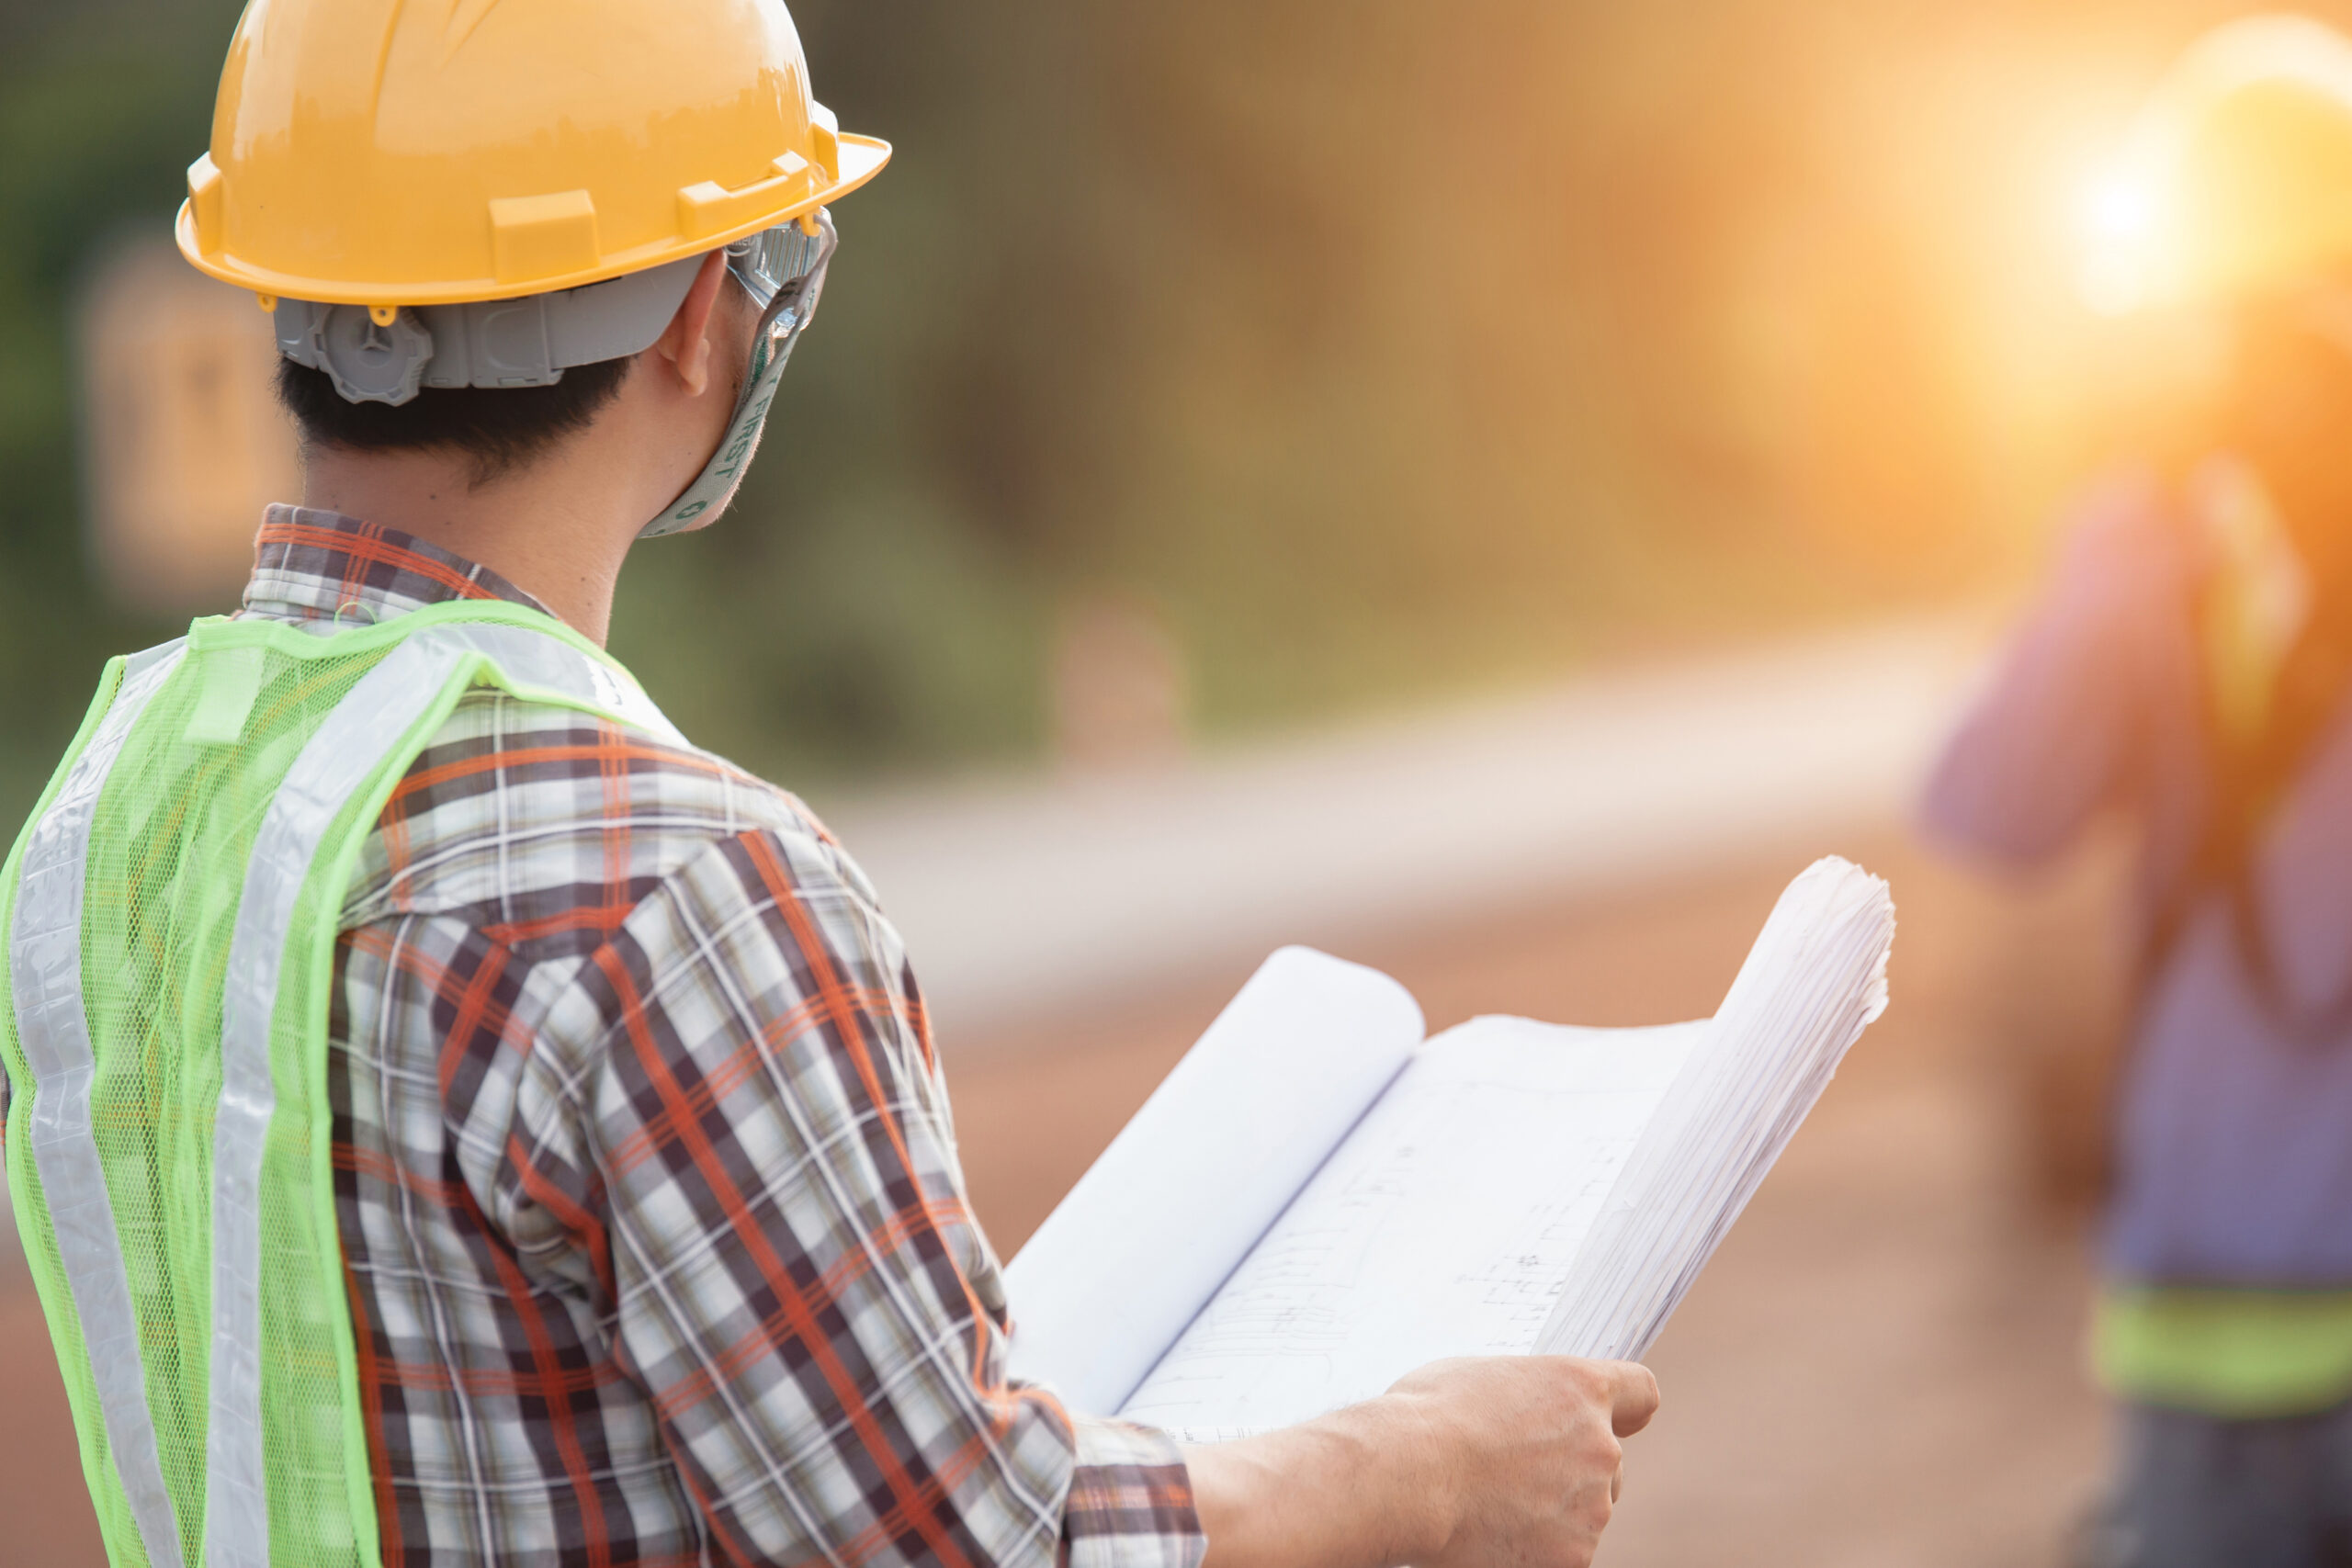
(2236, 183)
(382, 153)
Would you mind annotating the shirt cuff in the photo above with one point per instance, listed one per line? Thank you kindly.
(1130, 1500)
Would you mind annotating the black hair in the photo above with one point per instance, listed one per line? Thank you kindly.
(501, 428)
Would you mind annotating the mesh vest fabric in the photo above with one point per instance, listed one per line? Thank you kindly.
(170, 838)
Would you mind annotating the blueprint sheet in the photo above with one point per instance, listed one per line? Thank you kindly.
(1445, 1224)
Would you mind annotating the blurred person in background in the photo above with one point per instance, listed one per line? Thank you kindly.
(2190, 666)
(456, 1120)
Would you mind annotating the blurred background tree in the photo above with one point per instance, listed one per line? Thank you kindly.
(1377, 350)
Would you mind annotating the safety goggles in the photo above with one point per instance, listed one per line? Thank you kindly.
(769, 262)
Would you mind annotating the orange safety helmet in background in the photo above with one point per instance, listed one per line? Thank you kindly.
(2236, 181)
(383, 174)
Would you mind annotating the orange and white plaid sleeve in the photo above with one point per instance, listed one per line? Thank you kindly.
(737, 1104)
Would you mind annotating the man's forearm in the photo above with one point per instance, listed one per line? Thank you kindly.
(1463, 1464)
(1364, 1488)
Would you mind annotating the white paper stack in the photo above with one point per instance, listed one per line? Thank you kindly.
(1816, 978)
(1318, 1200)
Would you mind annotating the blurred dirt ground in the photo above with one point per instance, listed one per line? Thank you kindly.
(1882, 1366)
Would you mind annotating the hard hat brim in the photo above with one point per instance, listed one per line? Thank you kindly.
(861, 158)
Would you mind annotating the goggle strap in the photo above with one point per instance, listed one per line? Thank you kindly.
(787, 315)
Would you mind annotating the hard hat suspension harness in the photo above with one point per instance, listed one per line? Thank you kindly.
(376, 354)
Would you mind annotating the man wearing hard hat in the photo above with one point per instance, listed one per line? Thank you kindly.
(2191, 668)
(454, 1120)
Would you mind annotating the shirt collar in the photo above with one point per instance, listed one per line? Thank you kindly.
(310, 565)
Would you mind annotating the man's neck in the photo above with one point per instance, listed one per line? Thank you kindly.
(554, 529)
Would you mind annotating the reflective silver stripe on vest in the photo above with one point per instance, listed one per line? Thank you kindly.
(45, 975)
(532, 657)
(343, 754)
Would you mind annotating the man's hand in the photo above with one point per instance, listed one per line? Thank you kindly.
(1496, 1460)
(1533, 1446)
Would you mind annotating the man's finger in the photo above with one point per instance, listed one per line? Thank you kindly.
(1633, 1398)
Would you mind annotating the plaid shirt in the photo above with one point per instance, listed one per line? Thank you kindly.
(656, 1240)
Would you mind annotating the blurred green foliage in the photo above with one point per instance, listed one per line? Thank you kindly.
(97, 100)
(1381, 348)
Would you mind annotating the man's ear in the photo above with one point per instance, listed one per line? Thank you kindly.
(685, 344)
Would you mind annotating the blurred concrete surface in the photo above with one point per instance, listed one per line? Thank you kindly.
(1881, 1367)
(1021, 896)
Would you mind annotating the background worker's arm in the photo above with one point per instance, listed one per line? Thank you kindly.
(2067, 726)
(1463, 1464)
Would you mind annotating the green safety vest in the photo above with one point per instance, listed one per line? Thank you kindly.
(169, 917)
